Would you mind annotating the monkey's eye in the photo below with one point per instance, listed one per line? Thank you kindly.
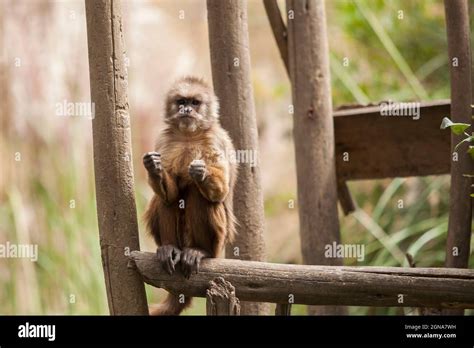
(181, 101)
(196, 102)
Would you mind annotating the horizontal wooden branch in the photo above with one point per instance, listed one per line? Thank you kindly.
(372, 146)
(320, 285)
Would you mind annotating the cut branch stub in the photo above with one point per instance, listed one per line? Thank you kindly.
(221, 299)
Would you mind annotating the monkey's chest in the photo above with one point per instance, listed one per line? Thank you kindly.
(178, 158)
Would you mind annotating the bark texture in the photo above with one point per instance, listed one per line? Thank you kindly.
(116, 208)
(230, 60)
(313, 132)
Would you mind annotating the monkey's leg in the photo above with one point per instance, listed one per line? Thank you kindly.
(212, 181)
(160, 181)
(161, 221)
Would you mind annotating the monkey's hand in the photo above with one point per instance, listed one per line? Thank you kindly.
(152, 162)
(168, 256)
(197, 170)
(190, 260)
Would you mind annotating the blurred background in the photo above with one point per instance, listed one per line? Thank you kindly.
(379, 50)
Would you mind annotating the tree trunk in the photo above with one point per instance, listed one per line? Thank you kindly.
(313, 132)
(116, 208)
(460, 210)
(230, 61)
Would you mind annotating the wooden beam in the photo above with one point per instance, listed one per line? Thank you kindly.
(313, 133)
(320, 285)
(280, 34)
(230, 63)
(283, 309)
(460, 205)
(116, 208)
(279, 29)
(372, 146)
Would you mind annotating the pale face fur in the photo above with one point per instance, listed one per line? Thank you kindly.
(191, 106)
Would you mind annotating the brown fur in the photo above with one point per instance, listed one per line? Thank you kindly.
(207, 221)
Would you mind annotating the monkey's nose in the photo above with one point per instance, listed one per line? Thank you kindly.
(188, 110)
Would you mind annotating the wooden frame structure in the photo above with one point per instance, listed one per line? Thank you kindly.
(421, 149)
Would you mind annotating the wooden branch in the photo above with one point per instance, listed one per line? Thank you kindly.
(221, 299)
(230, 62)
(283, 309)
(116, 208)
(313, 133)
(279, 29)
(281, 37)
(460, 217)
(372, 146)
(320, 285)
(345, 199)
(460, 206)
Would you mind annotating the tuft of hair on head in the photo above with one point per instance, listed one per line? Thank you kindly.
(191, 79)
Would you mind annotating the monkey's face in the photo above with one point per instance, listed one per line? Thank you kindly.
(191, 107)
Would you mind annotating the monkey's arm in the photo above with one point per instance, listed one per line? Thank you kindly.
(212, 181)
(160, 181)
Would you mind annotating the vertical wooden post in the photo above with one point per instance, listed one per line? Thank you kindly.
(283, 309)
(457, 21)
(313, 132)
(221, 299)
(116, 209)
(280, 34)
(230, 62)
(460, 209)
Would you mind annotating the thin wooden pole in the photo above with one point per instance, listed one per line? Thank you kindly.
(313, 133)
(459, 234)
(230, 62)
(460, 209)
(116, 209)
(280, 34)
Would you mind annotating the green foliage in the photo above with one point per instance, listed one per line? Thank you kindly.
(456, 128)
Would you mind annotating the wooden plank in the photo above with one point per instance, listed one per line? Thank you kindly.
(379, 146)
(320, 285)
(116, 210)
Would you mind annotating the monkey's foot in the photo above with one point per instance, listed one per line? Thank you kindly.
(168, 256)
(190, 260)
(152, 163)
(197, 170)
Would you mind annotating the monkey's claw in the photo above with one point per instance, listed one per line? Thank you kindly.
(190, 261)
(152, 163)
(197, 170)
(168, 256)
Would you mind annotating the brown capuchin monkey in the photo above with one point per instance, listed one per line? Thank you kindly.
(190, 215)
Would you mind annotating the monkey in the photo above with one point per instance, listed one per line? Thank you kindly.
(190, 215)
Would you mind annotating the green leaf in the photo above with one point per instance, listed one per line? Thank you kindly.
(456, 128)
(466, 140)
(471, 151)
(472, 194)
